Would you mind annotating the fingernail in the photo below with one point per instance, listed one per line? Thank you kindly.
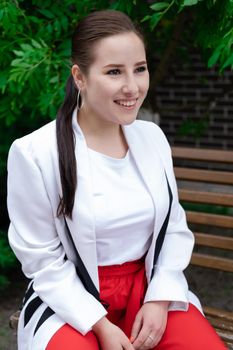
(131, 339)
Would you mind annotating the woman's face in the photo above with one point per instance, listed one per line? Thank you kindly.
(117, 81)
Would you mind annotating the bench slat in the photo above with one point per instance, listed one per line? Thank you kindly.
(210, 176)
(210, 219)
(211, 261)
(226, 326)
(219, 313)
(229, 345)
(193, 189)
(203, 154)
(226, 336)
(223, 322)
(214, 241)
(206, 197)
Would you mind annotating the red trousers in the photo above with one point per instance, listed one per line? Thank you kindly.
(123, 287)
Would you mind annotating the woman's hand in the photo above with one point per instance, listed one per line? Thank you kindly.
(149, 325)
(110, 336)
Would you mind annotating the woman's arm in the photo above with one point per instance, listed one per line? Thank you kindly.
(34, 239)
(168, 282)
(168, 289)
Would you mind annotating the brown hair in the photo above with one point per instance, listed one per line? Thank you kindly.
(94, 27)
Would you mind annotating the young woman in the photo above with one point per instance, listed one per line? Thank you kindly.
(90, 197)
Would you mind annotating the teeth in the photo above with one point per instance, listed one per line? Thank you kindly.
(126, 103)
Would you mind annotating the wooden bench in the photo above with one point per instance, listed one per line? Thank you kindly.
(205, 179)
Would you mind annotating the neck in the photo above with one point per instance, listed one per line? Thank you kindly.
(98, 128)
(103, 136)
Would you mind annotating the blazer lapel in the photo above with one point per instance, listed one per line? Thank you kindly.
(152, 170)
(82, 225)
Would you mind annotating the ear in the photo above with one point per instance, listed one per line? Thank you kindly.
(77, 76)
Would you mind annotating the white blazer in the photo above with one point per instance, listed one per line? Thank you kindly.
(40, 241)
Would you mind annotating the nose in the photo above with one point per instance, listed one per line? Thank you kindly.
(130, 86)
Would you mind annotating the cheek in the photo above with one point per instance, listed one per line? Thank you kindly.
(144, 90)
(94, 95)
(145, 83)
(111, 87)
(104, 89)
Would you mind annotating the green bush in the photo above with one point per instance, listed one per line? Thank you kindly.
(7, 260)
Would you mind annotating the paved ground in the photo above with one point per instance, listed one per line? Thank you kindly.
(214, 288)
(10, 300)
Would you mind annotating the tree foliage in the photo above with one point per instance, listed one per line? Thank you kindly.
(7, 260)
(35, 44)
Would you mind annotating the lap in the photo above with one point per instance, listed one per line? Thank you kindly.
(185, 330)
(68, 338)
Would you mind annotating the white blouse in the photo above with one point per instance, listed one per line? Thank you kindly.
(124, 210)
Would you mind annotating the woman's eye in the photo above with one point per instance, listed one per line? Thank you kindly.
(141, 69)
(114, 72)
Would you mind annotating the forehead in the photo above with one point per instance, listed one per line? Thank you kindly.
(123, 48)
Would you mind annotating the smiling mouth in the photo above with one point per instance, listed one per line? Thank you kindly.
(127, 103)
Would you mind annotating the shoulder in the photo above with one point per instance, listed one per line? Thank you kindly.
(152, 133)
(37, 142)
(150, 128)
(37, 150)
(151, 140)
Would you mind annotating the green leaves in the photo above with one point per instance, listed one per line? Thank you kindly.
(124, 6)
(154, 20)
(223, 54)
(24, 68)
(46, 13)
(7, 259)
(160, 9)
(9, 15)
(159, 6)
(190, 2)
(215, 56)
(214, 33)
(35, 60)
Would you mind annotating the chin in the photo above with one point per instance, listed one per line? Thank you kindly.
(128, 121)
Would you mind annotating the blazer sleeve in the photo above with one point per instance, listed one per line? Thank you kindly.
(35, 242)
(169, 282)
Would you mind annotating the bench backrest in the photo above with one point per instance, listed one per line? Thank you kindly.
(205, 184)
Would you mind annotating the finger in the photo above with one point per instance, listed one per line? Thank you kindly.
(137, 325)
(127, 345)
(142, 337)
(150, 342)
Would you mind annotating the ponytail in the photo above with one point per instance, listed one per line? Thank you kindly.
(66, 149)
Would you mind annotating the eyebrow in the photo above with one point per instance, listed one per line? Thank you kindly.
(122, 65)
